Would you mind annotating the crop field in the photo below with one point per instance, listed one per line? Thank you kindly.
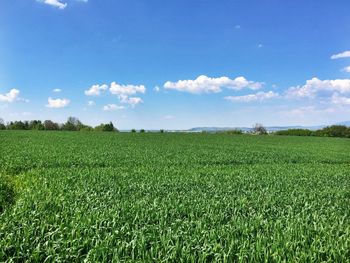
(152, 197)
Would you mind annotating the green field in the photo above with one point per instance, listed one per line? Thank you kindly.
(102, 197)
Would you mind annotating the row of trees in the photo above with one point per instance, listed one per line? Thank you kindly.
(72, 124)
(330, 131)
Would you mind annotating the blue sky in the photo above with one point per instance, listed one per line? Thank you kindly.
(175, 64)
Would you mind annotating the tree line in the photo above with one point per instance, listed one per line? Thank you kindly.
(72, 124)
(329, 131)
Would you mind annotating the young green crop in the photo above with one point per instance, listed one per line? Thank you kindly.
(174, 198)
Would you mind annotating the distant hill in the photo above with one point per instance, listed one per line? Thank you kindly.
(269, 128)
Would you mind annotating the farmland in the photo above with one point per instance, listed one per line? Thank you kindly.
(101, 197)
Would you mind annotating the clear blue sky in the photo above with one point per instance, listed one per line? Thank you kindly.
(266, 61)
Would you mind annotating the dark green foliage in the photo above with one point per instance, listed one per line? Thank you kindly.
(161, 131)
(133, 130)
(142, 131)
(36, 125)
(109, 127)
(72, 124)
(2, 124)
(234, 132)
(117, 197)
(51, 126)
(334, 131)
(18, 125)
(330, 131)
(295, 132)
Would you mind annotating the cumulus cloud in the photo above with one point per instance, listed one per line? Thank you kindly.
(57, 103)
(54, 3)
(204, 84)
(156, 89)
(57, 90)
(124, 91)
(260, 96)
(118, 89)
(112, 107)
(345, 54)
(11, 96)
(96, 90)
(347, 69)
(313, 86)
(340, 100)
(133, 101)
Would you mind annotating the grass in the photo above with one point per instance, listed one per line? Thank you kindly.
(103, 197)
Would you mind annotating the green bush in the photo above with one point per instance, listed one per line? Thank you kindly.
(295, 132)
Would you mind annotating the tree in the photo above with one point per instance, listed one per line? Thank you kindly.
(17, 125)
(51, 126)
(259, 129)
(142, 131)
(72, 124)
(109, 127)
(2, 124)
(36, 125)
(133, 130)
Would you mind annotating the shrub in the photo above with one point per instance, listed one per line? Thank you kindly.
(295, 132)
(234, 132)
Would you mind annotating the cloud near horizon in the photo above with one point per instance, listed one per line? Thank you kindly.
(57, 103)
(112, 107)
(259, 96)
(11, 96)
(314, 86)
(204, 84)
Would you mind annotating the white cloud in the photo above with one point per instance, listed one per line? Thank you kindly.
(11, 96)
(124, 91)
(204, 84)
(133, 101)
(260, 96)
(347, 69)
(112, 107)
(156, 89)
(57, 90)
(57, 103)
(55, 3)
(118, 89)
(345, 54)
(313, 86)
(340, 100)
(96, 90)
(91, 103)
